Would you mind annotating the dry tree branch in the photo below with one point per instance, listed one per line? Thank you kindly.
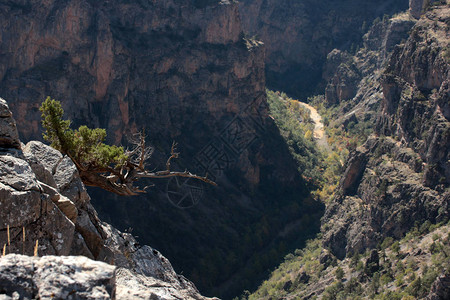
(101, 165)
(122, 182)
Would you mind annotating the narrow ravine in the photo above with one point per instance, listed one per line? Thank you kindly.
(319, 131)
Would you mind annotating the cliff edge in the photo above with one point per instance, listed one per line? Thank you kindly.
(44, 204)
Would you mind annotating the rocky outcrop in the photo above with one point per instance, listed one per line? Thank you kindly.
(406, 175)
(440, 289)
(60, 277)
(387, 199)
(78, 277)
(355, 79)
(416, 89)
(8, 129)
(298, 35)
(45, 204)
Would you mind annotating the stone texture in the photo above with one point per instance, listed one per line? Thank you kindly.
(69, 183)
(298, 35)
(38, 212)
(51, 277)
(63, 203)
(17, 174)
(48, 157)
(440, 289)
(9, 137)
(18, 207)
(136, 286)
(400, 176)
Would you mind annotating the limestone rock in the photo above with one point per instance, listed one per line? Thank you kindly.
(17, 174)
(25, 204)
(136, 286)
(63, 203)
(57, 277)
(18, 208)
(43, 160)
(42, 174)
(69, 182)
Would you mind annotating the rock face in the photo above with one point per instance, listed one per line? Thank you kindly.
(43, 201)
(8, 129)
(416, 7)
(78, 277)
(183, 71)
(356, 79)
(440, 289)
(298, 35)
(401, 178)
(58, 277)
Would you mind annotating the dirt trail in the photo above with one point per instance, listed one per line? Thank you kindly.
(319, 132)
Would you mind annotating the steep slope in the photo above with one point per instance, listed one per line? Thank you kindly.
(403, 178)
(183, 71)
(299, 34)
(45, 210)
(384, 234)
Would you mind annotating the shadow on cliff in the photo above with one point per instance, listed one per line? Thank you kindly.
(237, 233)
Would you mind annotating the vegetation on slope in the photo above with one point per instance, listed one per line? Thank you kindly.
(321, 168)
(395, 270)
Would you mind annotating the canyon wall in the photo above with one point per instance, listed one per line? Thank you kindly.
(184, 72)
(299, 34)
(400, 177)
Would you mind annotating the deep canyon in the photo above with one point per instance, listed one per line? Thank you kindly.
(196, 72)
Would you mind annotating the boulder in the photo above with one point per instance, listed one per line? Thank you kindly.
(69, 183)
(416, 7)
(55, 277)
(43, 160)
(136, 286)
(63, 203)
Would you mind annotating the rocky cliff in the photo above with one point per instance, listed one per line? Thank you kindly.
(299, 34)
(402, 176)
(390, 213)
(45, 209)
(183, 71)
(353, 82)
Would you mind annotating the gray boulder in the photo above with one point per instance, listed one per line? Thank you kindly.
(56, 277)
(43, 160)
(69, 182)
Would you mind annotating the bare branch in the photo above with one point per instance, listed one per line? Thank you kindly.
(122, 181)
(163, 174)
(173, 155)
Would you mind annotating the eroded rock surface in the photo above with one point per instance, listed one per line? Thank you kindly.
(184, 71)
(299, 35)
(405, 179)
(58, 216)
(60, 277)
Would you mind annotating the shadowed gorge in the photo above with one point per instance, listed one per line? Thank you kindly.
(183, 73)
(299, 34)
(325, 125)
